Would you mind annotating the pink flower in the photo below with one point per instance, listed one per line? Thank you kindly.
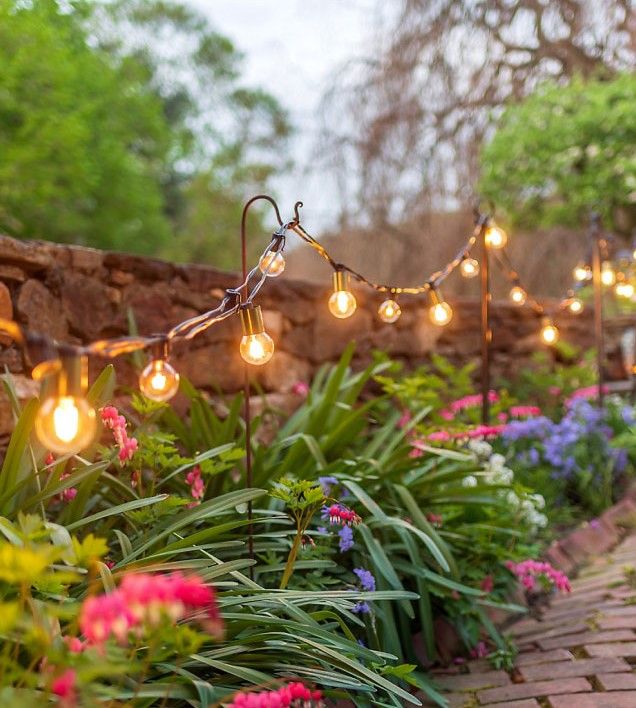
(502, 417)
(525, 411)
(117, 424)
(435, 519)
(415, 452)
(195, 482)
(587, 392)
(446, 414)
(144, 600)
(74, 644)
(472, 401)
(300, 388)
(529, 570)
(293, 694)
(439, 436)
(49, 459)
(480, 651)
(64, 687)
(404, 420)
(487, 584)
(340, 514)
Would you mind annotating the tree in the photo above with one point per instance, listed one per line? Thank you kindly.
(565, 151)
(408, 120)
(83, 140)
(124, 124)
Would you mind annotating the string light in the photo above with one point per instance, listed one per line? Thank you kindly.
(469, 267)
(496, 237)
(65, 422)
(624, 289)
(573, 304)
(608, 274)
(389, 311)
(272, 263)
(582, 272)
(440, 312)
(342, 303)
(159, 381)
(549, 332)
(256, 347)
(518, 295)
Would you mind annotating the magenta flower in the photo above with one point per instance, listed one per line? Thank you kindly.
(300, 388)
(64, 688)
(117, 424)
(529, 570)
(342, 515)
(294, 694)
(195, 482)
(525, 411)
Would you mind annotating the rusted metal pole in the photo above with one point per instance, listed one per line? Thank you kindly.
(486, 331)
(596, 238)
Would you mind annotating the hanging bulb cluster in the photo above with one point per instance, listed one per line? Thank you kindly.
(159, 380)
(342, 303)
(469, 267)
(582, 272)
(496, 237)
(65, 422)
(518, 295)
(389, 311)
(608, 274)
(624, 288)
(549, 332)
(440, 312)
(256, 347)
(573, 304)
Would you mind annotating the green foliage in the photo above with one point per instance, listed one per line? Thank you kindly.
(564, 151)
(125, 125)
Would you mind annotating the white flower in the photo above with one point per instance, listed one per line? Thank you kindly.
(513, 500)
(480, 448)
(469, 481)
(504, 476)
(496, 462)
(592, 150)
(538, 500)
(541, 520)
(527, 506)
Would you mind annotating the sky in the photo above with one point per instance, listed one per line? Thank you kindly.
(293, 49)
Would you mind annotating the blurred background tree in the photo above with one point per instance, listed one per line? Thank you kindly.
(125, 125)
(409, 118)
(564, 151)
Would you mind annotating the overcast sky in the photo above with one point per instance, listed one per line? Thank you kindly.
(292, 49)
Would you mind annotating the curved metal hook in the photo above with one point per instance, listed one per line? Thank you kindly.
(296, 221)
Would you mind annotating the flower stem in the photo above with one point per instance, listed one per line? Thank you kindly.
(291, 558)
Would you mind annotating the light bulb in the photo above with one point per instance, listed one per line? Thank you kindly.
(496, 237)
(342, 303)
(581, 272)
(608, 274)
(272, 264)
(65, 424)
(624, 289)
(469, 267)
(440, 311)
(159, 381)
(256, 346)
(518, 295)
(575, 305)
(389, 311)
(549, 333)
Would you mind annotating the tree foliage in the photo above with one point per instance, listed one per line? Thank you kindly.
(565, 151)
(408, 120)
(126, 125)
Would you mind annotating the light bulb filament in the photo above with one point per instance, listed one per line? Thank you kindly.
(66, 419)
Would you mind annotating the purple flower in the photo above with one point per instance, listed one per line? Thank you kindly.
(346, 539)
(322, 530)
(327, 484)
(361, 608)
(367, 581)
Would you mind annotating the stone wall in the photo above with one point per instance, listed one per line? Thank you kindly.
(79, 294)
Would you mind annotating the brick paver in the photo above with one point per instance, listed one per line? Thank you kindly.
(576, 654)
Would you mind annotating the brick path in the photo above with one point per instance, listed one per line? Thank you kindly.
(579, 655)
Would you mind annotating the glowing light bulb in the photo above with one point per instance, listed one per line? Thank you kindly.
(65, 424)
(342, 303)
(256, 346)
(582, 272)
(518, 295)
(389, 311)
(440, 312)
(496, 237)
(549, 333)
(575, 305)
(159, 381)
(469, 267)
(608, 274)
(272, 264)
(624, 289)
